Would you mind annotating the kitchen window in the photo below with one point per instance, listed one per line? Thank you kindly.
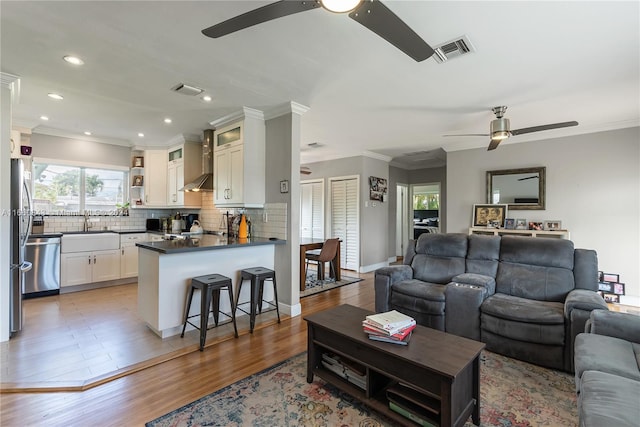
(59, 188)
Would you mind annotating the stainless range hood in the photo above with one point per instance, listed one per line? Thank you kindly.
(205, 181)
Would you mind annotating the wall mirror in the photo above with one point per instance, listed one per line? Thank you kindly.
(519, 188)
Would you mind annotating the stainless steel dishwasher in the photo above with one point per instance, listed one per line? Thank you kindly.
(44, 278)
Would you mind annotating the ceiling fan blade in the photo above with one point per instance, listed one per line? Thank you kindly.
(258, 16)
(382, 21)
(494, 144)
(543, 127)
(468, 134)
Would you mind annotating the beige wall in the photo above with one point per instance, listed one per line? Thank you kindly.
(593, 187)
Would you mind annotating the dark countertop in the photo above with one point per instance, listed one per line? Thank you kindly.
(44, 235)
(204, 242)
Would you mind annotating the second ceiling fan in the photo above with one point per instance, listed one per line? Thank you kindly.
(500, 128)
(371, 13)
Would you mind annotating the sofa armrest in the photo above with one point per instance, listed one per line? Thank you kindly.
(384, 278)
(583, 299)
(615, 324)
(478, 280)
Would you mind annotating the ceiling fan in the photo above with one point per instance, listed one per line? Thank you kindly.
(371, 13)
(500, 128)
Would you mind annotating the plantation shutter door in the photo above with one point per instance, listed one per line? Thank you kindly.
(345, 221)
(317, 208)
(306, 211)
(311, 210)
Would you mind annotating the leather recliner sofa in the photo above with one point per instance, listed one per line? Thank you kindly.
(523, 297)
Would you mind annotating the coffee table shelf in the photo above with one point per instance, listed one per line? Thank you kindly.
(442, 367)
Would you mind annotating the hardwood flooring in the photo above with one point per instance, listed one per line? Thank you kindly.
(148, 393)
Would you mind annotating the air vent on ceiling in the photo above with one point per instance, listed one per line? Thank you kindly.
(187, 90)
(453, 49)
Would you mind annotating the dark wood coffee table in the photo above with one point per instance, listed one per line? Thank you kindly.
(443, 369)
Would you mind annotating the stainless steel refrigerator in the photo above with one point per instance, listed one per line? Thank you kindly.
(19, 233)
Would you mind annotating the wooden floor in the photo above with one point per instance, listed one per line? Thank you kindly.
(137, 398)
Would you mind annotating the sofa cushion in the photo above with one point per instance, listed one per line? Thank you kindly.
(439, 257)
(608, 400)
(520, 319)
(483, 255)
(594, 352)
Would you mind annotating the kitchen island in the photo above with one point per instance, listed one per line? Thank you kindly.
(165, 270)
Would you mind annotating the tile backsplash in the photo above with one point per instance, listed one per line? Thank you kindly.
(270, 221)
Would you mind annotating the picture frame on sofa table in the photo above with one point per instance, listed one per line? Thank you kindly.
(552, 225)
(521, 224)
(510, 223)
(484, 213)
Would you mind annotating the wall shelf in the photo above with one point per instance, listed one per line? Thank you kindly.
(561, 234)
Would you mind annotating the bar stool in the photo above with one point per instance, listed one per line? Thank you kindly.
(257, 275)
(210, 287)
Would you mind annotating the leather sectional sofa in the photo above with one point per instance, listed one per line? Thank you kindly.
(525, 297)
(607, 369)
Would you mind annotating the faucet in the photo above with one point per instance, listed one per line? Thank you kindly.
(87, 224)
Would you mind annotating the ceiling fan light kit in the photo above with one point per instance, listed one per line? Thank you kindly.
(340, 6)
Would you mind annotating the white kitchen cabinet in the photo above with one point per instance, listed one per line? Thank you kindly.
(239, 160)
(184, 165)
(79, 268)
(155, 178)
(129, 253)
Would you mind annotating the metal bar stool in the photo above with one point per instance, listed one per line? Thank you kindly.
(210, 287)
(257, 275)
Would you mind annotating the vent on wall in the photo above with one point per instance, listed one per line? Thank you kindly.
(453, 49)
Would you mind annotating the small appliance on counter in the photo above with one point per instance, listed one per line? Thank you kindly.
(189, 220)
(153, 224)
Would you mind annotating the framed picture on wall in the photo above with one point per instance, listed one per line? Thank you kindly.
(377, 188)
(483, 214)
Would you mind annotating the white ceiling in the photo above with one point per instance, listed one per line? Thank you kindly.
(549, 61)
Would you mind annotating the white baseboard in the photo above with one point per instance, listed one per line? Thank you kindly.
(373, 267)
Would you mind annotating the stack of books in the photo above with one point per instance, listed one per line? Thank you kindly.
(345, 368)
(414, 405)
(391, 326)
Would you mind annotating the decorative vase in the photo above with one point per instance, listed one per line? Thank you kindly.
(242, 229)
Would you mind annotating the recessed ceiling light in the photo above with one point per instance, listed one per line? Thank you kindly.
(73, 60)
(141, 135)
(167, 120)
(55, 96)
(44, 118)
(206, 98)
(87, 133)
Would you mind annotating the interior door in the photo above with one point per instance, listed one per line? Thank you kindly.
(345, 220)
(312, 209)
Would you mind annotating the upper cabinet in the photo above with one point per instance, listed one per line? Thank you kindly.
(155, 178)
(239, 160)
(184, 165)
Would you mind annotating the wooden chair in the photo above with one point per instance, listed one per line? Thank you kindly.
(321, 256)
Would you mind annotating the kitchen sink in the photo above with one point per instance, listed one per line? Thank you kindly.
(90, 241)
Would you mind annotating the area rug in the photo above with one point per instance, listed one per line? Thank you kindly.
(512, 394)
(313, 285)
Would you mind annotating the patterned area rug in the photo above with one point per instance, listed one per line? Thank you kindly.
(513, 394)
(313, 285)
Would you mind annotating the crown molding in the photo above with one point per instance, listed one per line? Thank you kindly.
(291, 107)
(6, 80)
(377, 156)
(246, 112)
(43, 130)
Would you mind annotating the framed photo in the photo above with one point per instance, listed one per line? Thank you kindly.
(137, 180)
(610, 277)
(510, 223)
(284, 186)
(618, 288)
(138, 162)
(535, 225)
(552, 225)
(611, 298)
(521, 224)
(377, 188)
(606, 287)
(482, 214)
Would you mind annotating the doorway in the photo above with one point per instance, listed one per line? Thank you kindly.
(425, 208)
(402, 218)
